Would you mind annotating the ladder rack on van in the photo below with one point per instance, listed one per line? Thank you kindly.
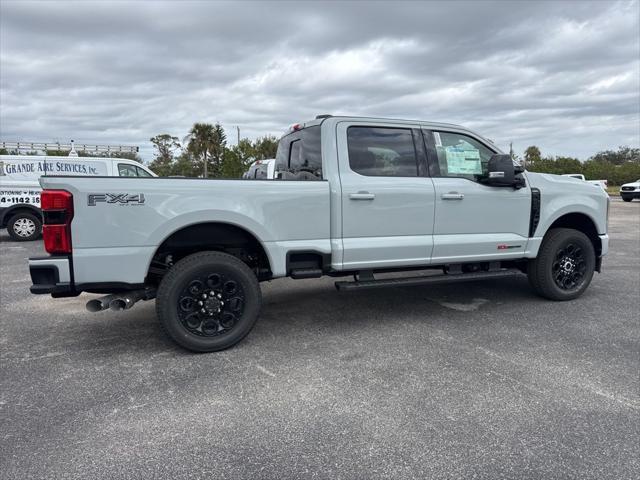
(57, 146)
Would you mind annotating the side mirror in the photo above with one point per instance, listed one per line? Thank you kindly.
(502, 172)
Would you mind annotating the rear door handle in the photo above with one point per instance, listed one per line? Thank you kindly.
(362, 196)
(452, 196)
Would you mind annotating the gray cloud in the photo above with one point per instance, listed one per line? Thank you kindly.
(562, 75)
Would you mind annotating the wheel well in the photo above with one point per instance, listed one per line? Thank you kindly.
(11, 211)
(221, 237)
(581, 222)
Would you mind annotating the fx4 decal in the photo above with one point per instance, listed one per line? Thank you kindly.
(115, 198)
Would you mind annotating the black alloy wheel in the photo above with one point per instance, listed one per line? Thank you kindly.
(208, 301)
(210, 305)
(569, 266)
(564, 266)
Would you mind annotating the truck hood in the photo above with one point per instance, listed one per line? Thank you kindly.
(632, 184)
(566, 183)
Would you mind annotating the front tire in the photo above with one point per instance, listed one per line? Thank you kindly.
(208, 301)
(627, 199)
(24, 227)
(564, 266)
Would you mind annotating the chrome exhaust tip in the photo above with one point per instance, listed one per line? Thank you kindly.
(120, 301)
(94, 306)
(119, 304)
(99, 304)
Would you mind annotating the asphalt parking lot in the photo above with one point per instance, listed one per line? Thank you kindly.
(484, 380)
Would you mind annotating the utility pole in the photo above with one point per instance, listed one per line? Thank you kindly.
(238, 128)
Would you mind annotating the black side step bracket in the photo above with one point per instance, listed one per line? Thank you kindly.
(426, 280)
(300, 273)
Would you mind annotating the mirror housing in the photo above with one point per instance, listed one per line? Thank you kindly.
(502, 172)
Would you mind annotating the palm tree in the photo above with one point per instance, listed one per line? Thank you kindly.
(207, 141)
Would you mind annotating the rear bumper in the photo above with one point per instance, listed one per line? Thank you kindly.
(51, 275)
(54, 275)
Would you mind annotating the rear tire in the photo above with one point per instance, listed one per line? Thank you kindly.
(24, 227)
(208, 301)
(565, 264)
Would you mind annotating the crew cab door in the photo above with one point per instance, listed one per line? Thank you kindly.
(387, 200)
(473, 221)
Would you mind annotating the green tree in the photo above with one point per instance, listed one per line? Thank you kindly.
(184, 166)
(265, 147)
(165, 146)
(618, 157)
(57, 153)
(567, 165)
(531, 156)
(237, 159)
(207, 143)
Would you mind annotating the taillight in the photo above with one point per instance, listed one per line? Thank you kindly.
(57, 211)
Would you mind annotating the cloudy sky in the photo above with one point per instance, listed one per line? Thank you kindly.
(561, 75)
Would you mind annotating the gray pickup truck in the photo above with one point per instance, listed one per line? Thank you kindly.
(352, 197)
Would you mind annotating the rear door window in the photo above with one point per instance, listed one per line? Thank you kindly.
(382, 151)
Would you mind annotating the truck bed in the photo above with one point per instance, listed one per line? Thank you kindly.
(117, 231)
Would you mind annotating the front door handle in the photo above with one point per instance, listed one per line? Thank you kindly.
(452, 196)
(362, 196)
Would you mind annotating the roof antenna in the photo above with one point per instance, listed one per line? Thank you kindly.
(72, 152)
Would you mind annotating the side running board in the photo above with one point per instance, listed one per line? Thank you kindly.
(426, 280)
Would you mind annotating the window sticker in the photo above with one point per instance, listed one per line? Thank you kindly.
(436, 135)
(462, 161)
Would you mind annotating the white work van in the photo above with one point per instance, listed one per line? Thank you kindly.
(20, 188)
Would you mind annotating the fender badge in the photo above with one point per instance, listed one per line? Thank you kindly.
(504, 246)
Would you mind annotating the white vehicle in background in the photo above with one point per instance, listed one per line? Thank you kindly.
(20, 189)
(629, 191)
(261, 170)
(598, 183)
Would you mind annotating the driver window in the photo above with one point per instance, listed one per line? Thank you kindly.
(461, 156)
(126, 170)
(142, 172)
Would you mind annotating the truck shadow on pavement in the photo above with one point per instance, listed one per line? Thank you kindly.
(314, 311)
